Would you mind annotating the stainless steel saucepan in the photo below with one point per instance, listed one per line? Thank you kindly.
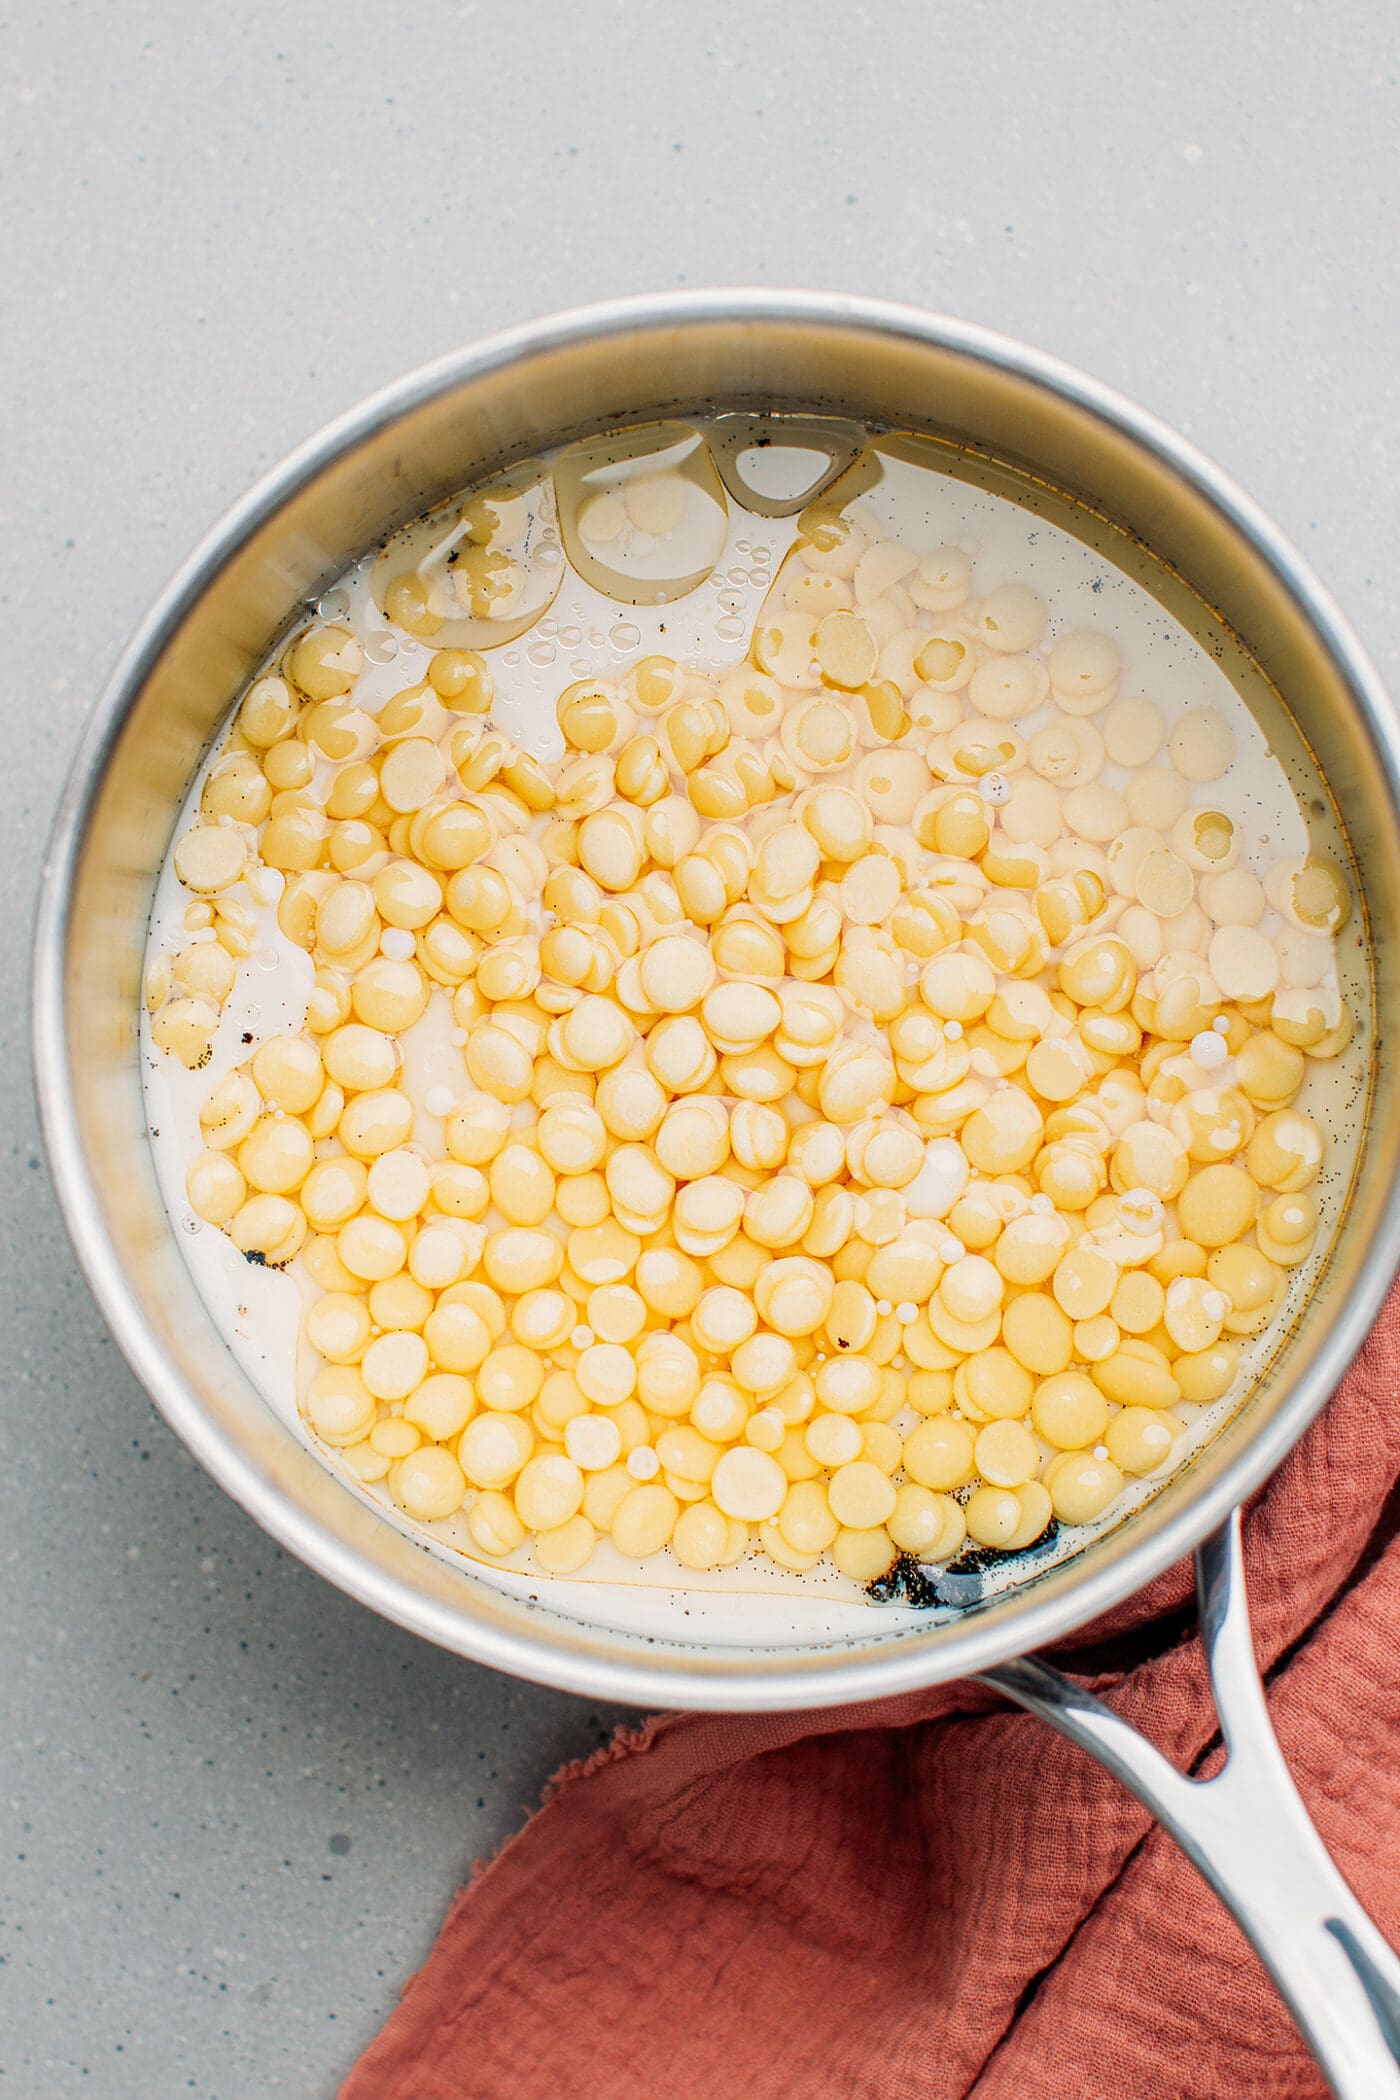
(1142, 488)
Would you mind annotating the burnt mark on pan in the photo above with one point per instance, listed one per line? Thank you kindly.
(962, 1583)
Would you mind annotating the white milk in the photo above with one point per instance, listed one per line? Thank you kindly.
(584, 633)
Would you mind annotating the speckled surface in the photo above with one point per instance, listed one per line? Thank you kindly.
(235, 1804)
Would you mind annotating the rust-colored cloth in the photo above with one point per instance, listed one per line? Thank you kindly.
(938, 1896)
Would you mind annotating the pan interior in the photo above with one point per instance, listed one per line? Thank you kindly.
(1090, 572)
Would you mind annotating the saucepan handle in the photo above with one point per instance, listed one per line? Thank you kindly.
(1248, 1833)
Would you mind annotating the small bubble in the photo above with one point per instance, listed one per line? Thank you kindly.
(740, 575)
(549, 626)
(760, 578)
(268, 958)
(548, 554)
(717, 580)
(730, 628)
(742, 547)
(191, 1225)
(595, 640)
(381, 648)
(625, 636)
(570, 637)
(1140, 1210)
(995, 787)
(334, 606)
(541, 653)
(732, 601)
(580, 667)
(760, 554)
(513, 657)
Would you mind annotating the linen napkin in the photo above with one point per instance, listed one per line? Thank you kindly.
(936, 1898)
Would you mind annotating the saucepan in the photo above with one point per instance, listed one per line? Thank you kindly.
(1156, 507)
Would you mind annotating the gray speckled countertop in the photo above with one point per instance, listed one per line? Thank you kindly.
(235, 1804)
